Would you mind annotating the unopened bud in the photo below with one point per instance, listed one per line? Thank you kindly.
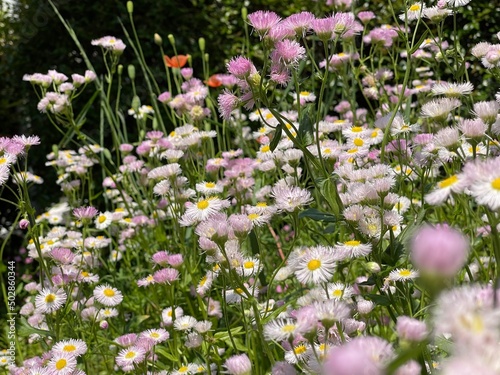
(136, 103)
(201, 43)
(131, 72)
(158, 40)
(206, 57)
(130, 6)
(120, 69)
(23, 224)
(171, 39)
(104, 324)
(244, 13)
(373, 267)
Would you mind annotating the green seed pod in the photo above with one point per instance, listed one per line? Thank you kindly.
(136, 103)
(131, 72)
(130, 6)
(201, 43)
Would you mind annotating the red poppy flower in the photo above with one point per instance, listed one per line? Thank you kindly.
(213, 81)
(176, 61)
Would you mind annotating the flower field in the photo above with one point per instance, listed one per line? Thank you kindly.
(329, 204)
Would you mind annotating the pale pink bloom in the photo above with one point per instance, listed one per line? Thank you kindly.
(299, 22)
(228, 102)
(366, 16)
(475, 128)
(166, 276)
(262, 21)
(483, 179)
(110, 43)
(486, 111)
(439, 250)
(361, 355)
(288, 52)
(238, 365)
(241, 67)
(289, 198)
(88, 212)
(410, 329)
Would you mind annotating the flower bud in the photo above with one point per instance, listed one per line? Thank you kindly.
(131, 72)
(373, 267)
(158, 40)
(120, 69)
(130, 6)
(171, 39)
(201, 43)
(244, 13)
(104, 324)
(136, 103)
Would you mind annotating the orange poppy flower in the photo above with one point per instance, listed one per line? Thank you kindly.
(176, 61)
(213, 81)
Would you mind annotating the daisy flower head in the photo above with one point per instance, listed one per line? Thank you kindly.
(483, 180)
(414, 12)
(107, 295)
(110, 43)
(439, 250)
(158, 335)
(74, 347)
(280, 329)
(455, 183)
(439, 109)
(201, 210)
(451, 90)
(403, 274)
(290, 198)
(262, 21)
(62, 364)
(130, 356)
(104, 220)
(184, 323)
(238, 365)
(48, 301)
(316, 266)
(353, 249)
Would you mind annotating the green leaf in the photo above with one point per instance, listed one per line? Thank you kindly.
(412, 353)
(419, 43)
(276, 137)
(306, 125)
(80, 119)
(162, 351)
(329, 192)
(25, 330)
(378, 299)
(317, 215)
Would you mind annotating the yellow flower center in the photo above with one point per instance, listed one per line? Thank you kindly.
(248, 264)
(202, 205)
(337, 293)
(404, 273)
(352, 243)
(265, 149)
(69, 348)
(253, 216)
(358, 142)
(84, 274)
(448, 182)
(210, 185)
(130, 355)
(288, 328)
(300, 349)
(61, 364)
(304, 93)
(313, 264)
(154, 335)
(415, 8)
(101, 219)
(269, 116)
(356, 129)
(108, 292)
(183, 369)
(261, 204)
(495, 184)
(203, 281)
(50, 298)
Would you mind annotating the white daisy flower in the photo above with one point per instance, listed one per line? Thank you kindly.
(168, 314)
(184, 323)
(402, 274)
(353, 249)
(75, 347)
(209, 188)
(103, 220)
(298, 353)
(107, 295)
(202, 210)
(62, 364)
(157, 335)
(452, 89)
(280, 329)
(130, 356)
(444, 188)
(48, 301)
(316, 266)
